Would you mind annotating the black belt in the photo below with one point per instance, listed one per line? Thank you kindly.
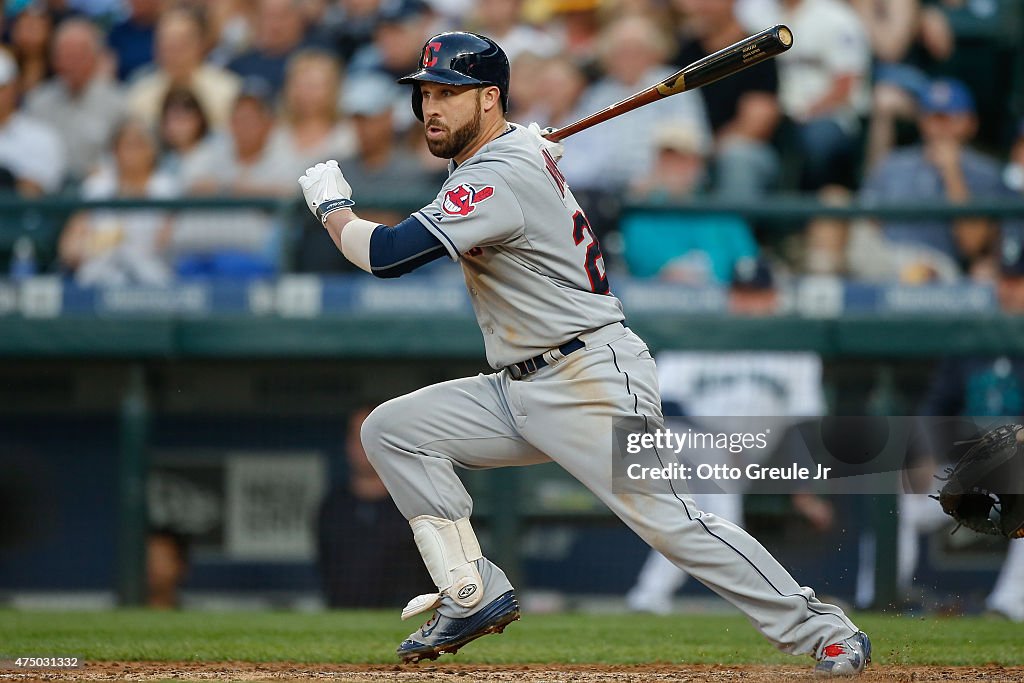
(532, 365)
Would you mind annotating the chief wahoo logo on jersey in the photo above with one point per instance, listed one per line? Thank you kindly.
(463, 199)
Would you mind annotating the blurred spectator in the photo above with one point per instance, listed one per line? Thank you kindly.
(610, 156)
(31, 33)
(366, 558)
(859, 250)
(743, 110)
(348, 25)
(30, 151)
(402, 28)
(501, 20)
(524, 82)
(823, 87)
(687, 248)
(82, 104)
(680, 169)
(380, 170)
(910, 39)
(59, 10)
(231, 24)
(180, 46)
(313, 10)
(131, 39)
(654, 9)
(240, 243)
(977, 249)
(244, 162)
(452, 12)
(824, 245)
(1013, 174)
(752, 13)
(183, 129)
(312, 129)
(577, 27)
(560, 84)
(167, 564)
(280, 32)
(912, 31)
(121, 247)
(98, 9)
(1012, 284)
(944, 168)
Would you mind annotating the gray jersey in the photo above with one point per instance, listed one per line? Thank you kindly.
(531, 261)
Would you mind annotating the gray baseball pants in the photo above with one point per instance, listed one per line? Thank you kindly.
(563, 413)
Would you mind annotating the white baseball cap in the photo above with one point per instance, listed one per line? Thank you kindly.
(679, 137)
(8, 68)
(369, 95)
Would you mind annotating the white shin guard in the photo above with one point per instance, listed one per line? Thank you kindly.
(450, 551)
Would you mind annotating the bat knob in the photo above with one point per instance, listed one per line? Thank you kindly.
(785, 35)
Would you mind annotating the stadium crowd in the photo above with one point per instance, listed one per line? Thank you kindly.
(190, 98)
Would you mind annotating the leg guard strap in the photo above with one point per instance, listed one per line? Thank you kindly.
(450, 551)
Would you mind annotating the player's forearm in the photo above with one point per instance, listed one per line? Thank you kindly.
(335, 224)
(351, 235)
(381, 250)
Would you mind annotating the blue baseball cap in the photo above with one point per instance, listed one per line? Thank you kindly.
(947, 96)
(256, 88)
(401, 11)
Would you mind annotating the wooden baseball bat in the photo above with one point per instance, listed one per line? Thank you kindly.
(727, 61)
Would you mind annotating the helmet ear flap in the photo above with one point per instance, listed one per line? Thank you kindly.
(417, 101)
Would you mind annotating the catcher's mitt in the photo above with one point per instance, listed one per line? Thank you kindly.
(982, 491)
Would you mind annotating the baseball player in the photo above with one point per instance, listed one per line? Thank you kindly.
(565, 367)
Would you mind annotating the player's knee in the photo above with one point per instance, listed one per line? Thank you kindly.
(371, 433)
(381, 421)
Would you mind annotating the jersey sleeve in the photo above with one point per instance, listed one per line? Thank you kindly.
(475, 208)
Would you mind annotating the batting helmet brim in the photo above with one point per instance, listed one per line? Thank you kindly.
(446, 76)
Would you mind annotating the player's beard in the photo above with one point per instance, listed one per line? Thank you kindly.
(456, 140)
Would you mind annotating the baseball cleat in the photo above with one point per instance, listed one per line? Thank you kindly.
(845, 658)
(445, 635)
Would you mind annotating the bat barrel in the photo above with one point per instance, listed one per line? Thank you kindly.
(759, 47)
(747, 52)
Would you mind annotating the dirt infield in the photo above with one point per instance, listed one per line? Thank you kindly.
(470, 673)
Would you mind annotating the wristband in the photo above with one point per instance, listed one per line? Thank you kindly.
(332, 205)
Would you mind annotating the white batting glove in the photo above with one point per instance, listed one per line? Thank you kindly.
(555, 149)
(326, 189)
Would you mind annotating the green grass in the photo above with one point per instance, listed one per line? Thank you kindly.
(368, 637)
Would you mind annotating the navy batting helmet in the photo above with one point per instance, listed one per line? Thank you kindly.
(460, 58)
